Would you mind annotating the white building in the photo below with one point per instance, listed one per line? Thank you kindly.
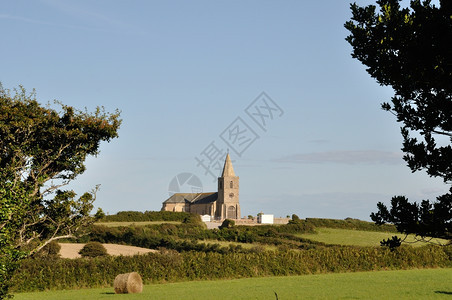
(265, 219)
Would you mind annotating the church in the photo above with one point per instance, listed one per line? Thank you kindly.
(221, 205)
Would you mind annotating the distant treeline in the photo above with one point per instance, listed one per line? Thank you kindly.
(138, 216)
(348, 223)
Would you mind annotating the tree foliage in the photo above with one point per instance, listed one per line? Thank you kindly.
(41, 151)
(393, 243)
(409, 50)
(51, 250)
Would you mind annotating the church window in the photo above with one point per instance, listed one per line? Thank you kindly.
(231, 185)
(220, 185)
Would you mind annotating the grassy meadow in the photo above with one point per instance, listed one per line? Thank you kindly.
(338, 236)
(406, 284)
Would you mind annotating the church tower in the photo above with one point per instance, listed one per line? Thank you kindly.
(228, 206)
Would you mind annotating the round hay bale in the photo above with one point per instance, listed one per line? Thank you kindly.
(128, 283)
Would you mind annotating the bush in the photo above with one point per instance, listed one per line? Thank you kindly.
(297, 226)
(93, 249)
(194, 219)
(227, 223)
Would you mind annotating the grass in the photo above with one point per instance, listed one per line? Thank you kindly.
(355, 237)
(407, 284)
(144, 223)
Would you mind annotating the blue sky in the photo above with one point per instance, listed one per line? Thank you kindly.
(183, 72)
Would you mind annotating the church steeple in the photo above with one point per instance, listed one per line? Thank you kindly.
(228, 170)
(228, 193)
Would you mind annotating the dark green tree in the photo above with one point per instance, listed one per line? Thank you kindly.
(409, 50)
(392, 243)
(99, 215)
(41, 151)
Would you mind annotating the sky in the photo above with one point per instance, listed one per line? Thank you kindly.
(272, 83)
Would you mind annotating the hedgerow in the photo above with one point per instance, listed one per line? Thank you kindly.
(184, 237)
(137, 216)
(171, 266)
(350, 223)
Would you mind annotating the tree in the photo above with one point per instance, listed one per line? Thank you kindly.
(41, 151)
(51, 250)
(409, 50)
(99, 215)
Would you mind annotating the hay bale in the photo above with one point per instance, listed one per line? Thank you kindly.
(128, 283)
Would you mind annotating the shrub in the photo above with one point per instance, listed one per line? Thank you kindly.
(93, 249)
(448, 250)
(194, 219)
(227, 223)
(297, 226)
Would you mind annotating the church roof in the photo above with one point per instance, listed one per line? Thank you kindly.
(193, 198)
(206, 198)
(228, 170)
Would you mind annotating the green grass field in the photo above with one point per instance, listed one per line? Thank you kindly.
(118, 224)
(356, 237)
(407, 284)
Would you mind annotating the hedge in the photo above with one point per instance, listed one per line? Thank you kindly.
(350, 223)
(171, 266)
(184, 237)
(137, 216)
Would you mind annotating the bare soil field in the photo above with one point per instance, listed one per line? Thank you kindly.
(70, 250)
